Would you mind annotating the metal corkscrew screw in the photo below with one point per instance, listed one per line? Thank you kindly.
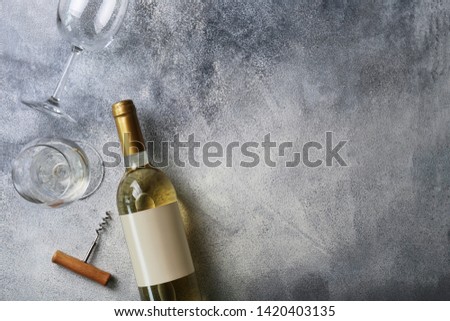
(100, 228)
(82, 267)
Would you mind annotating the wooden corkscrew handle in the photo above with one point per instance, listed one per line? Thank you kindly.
(81, 267)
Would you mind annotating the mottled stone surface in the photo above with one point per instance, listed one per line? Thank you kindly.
(373, 73)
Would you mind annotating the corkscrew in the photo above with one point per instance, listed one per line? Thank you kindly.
(82, 267)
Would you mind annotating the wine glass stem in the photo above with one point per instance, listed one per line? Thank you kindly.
(69, 65)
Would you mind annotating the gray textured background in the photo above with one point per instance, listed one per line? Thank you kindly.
(375, 73)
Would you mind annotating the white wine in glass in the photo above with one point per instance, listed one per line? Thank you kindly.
(87, 25)
(57, 171)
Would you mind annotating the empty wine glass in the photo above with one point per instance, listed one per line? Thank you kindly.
(57, 171)
(87, 25)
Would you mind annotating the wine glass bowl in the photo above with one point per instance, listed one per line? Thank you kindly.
(86, 24)
(56, 171)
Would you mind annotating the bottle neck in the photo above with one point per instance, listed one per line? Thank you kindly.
(130, 135)
(136, 160)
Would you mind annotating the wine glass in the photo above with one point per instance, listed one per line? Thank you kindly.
(57, 171)
(87, 25)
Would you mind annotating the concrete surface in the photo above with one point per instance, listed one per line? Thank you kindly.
(373, 73)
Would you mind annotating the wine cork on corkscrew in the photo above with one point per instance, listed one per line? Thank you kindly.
(82, 267)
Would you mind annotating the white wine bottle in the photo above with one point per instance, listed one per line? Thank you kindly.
(151, 220)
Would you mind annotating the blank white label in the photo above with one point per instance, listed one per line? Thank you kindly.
(157, 244)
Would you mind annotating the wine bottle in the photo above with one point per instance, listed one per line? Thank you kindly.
(151, 220)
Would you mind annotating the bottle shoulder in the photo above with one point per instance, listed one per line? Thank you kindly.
(144, 188)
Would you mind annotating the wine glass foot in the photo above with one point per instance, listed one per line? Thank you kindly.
(49, 107)
(96, 168)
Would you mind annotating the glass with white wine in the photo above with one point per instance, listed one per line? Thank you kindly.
(151, 220)
(57, 171)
